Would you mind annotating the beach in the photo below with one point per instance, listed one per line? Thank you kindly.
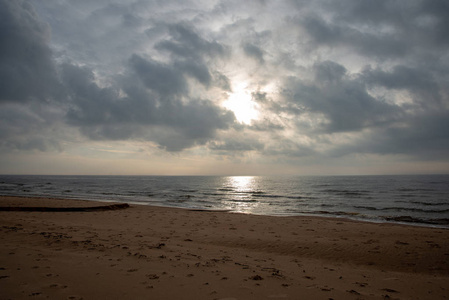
(149, 252)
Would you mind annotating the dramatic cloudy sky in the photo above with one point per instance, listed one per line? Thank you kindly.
(224, 87)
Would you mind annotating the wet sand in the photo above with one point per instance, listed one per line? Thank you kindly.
(144, 252)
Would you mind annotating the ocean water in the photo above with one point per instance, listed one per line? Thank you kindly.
(422, 199)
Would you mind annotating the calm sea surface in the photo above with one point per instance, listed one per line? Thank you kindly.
(411, 199)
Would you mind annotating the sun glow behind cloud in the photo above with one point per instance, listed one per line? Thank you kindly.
(242, 105)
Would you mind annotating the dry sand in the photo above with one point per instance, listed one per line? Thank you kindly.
(144, 252)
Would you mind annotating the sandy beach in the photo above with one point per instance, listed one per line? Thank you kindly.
(144, 252)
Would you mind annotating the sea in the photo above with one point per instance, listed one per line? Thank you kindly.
(413, 199)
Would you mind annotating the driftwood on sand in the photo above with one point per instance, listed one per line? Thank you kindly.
(65, 209)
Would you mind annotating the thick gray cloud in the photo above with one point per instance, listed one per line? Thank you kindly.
(384, 29)
(254, 52)
(191, 52)
(343, 101)
(28, 128)
(238, 144)
(26, 66)
(328, 78)
(424, 137)
(151, 101)
(163, 79)
(334, 102)
(425, 88)
(186, 43)
(324, 33)
(103, 114)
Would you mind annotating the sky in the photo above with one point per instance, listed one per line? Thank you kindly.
(152, 87)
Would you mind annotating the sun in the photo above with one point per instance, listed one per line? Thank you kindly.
(241, 104)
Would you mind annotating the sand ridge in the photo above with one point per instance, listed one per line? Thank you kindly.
(162, 253)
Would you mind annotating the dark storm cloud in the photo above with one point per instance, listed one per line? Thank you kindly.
(26, 66)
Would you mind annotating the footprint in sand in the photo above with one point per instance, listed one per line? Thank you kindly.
(55, 285)
(390, 290)
(353, 292)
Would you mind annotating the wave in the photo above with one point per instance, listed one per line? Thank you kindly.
(258, 193)
(366, 207)
(187, 191)
(213, 194)
(423, 203)
(323, 212)
(415, 190)
(300, 197)
(180, 200)
(269, 196)
(347, 192)
(400, 219)
(410, 209)
(242, 200)
(409, 219)
(4, 189)
(335, 213)
(409, 196)
(321, 185)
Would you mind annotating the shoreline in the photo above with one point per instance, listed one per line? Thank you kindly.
(157, 252)
(324, 215)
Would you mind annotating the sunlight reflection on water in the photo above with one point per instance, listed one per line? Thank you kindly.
(241, 183)
(242, 188)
